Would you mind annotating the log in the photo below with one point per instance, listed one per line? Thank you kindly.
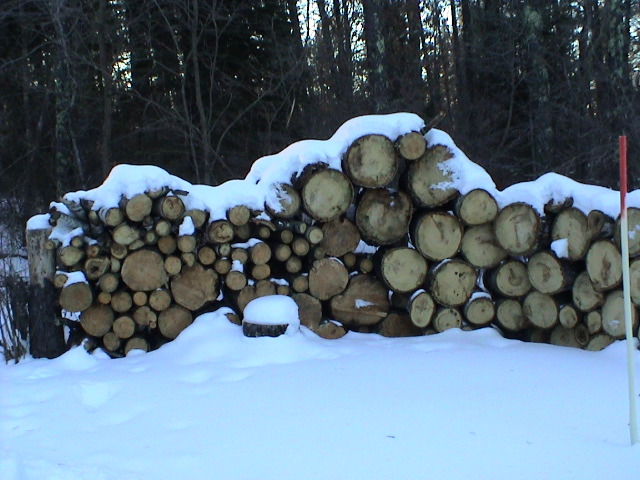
(572, 224)
(476, 207)
(194, 287)
(568, 337)
(76, 297)
(235, 280)
(549, 274)
(145, 317)
(241, 255)
(198, 217)
(188, 258)
(309, 310)
(613, 315)
(402, 269)
(428, 180)
(96, 267)
(519, 229)
(140, 298)
(421, 308)
(144, 270)
(364, 302)
(124, 326)
(220, 231)
(187, 243)
(328, 277)
(600, 225)
(383, 216)
(397, 324)
(282, 252)
(509, 279)
(314, 234)
(170, 207)
(480, 310)
(569, 316)
(293, 264)
(136, 343)
(174, 320)
(509, 315)
(327, 194)
(300, 246)
(633, 219)
(150, 238)
(260, 253)
(634, 280)
(111, 217)
(125, 234)
(137, 207)
(599, 342)
(300, 283)
(283, 201)
(604, 265)
(159, 299)
(69, 256)
(371, 161)
(206, 256)
(412, 145)
(260, 272)
(172, 265)
(452, 282)
(239, 215)
(447, 318)
(540, 309)
(111, 341)
(121, 301)
(340, 236)
(436, 235)
(250, 329)
(330, 330)
(118, 251)
(593, 321)
(585, 297)
(163, 227)
(97, 320)
(104, 298)
(480, 247)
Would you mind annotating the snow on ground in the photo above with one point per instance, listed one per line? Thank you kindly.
(214, 404)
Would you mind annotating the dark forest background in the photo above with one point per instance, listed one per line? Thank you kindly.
(203, 88)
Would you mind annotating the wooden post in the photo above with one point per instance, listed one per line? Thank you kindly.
(46, 337)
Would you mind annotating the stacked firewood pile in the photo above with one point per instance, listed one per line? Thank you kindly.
(385, 245)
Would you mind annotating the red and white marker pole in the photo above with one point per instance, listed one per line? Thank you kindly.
(624, 241)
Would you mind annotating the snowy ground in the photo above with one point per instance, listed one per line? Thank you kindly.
(216, 405)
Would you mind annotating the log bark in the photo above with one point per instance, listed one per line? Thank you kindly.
(585, 296)
(250, 329)
(97, 320)
(194, 287)
(46, 337)
(174, 320)
(481, 248)
(604, 265)
(509, 279)
(480, 310)
(144, 270)
(412, 145)
(549, 274)
(519, 229)
(383, 216)
(328, 277)
(364, 302)
(613, 315)
(371, 161)
(402, 269)
(476, 207)
(397, 324)
(573, 225)
(452, 282)
(428, 181)
(327, 194)
(540, 309)
(436, 235)
(340, 236)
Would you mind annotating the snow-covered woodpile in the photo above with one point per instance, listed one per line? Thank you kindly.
(383, 228)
